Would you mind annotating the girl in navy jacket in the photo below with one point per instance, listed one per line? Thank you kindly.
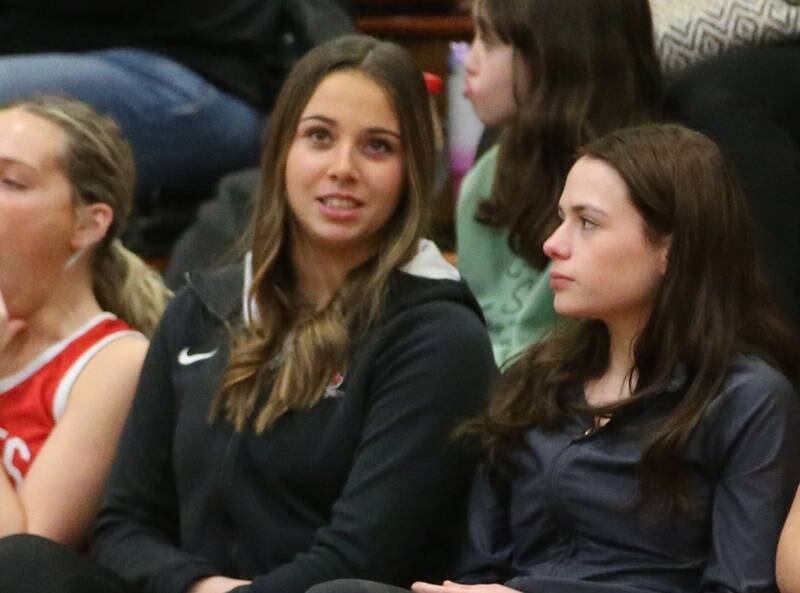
(651, 443)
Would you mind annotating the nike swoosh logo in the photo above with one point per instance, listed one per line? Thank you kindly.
(185, 358)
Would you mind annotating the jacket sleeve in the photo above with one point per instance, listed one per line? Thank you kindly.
(409, 479)
(757, 444)
(136, 533)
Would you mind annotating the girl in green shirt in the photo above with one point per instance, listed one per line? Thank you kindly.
(553, 74)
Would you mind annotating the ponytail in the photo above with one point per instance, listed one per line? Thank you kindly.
(127, 287)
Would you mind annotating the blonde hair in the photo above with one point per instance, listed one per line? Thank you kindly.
(98, 163)
(289, 348)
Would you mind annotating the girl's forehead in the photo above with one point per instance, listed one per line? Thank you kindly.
(30, 139)
(352, 97)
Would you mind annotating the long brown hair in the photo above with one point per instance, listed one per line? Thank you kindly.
(289, 349)
(98, 163)
(591, 68)
(680, 183)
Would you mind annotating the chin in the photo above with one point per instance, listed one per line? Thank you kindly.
(573, 310)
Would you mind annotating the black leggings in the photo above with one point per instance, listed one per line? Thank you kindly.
(355, 586)
(33, 564)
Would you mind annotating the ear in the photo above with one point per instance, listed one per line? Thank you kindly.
(663, 258)
(91, 224)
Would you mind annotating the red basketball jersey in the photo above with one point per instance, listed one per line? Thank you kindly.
(33, 399)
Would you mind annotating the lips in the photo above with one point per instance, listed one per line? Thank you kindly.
(558, 280)
(340, 201)
(340, 207)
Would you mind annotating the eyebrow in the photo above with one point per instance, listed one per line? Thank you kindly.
(321, 118)
(4, 160)
(581, 208)
(332, 122)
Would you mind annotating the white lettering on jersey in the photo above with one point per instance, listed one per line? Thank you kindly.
(13, 446)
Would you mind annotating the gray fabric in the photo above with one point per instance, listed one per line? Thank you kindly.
(688, 31)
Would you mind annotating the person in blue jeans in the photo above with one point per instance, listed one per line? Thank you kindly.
(188, 82)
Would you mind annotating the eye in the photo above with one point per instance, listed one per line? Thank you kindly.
(587, 224)
(378, 146)
(318, 135)
(12, 184)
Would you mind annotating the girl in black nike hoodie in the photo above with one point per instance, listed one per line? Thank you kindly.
(293, 420)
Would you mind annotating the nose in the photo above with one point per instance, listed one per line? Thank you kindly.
(342, 166)
(556, 246)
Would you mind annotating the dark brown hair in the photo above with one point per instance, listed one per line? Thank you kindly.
(288, 347)
(683, 188)
(591, 68)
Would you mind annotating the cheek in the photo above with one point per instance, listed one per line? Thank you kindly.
(294, 170)
(300, 179)
(505, 96)
(651, 280)
(638, 275)
(39, 220)
(30, 241)
(26, 228)
(494, 100)
(389, 186)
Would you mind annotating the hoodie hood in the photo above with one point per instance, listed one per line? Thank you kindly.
(427, 277)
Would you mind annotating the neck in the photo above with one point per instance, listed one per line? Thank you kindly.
(320, 272)
(70, 304)
(617, 382)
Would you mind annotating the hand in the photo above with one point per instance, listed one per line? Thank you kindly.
(8, 327)
(216, 585)
(452, 587)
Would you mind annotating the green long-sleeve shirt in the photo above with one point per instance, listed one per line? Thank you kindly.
(516, 298)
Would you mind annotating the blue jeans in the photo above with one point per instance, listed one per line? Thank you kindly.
(185, 132)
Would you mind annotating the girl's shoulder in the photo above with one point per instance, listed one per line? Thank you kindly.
(428, 283)
(477, 183)
(753, 388)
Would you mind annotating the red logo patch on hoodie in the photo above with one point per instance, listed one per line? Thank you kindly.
(333, 388)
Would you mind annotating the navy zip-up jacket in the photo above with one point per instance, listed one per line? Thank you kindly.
(560, 514)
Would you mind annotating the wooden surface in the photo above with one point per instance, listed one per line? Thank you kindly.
(425, 25)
